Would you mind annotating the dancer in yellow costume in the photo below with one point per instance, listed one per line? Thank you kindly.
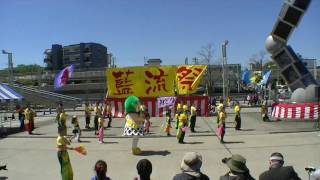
(193, 117)
(178, 112)
(182, 127)
(62, 123)
(237, 119)
(63, 156)
(222, 123)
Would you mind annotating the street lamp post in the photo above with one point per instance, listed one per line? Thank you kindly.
(224, 62)
(10, 66)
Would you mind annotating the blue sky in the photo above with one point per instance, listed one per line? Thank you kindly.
(134, 29)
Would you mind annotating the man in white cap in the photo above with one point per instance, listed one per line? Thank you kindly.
(190, 167)
(277, 170)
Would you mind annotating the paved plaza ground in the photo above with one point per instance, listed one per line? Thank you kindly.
(34, 156)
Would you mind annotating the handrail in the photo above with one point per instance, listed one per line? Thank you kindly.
(46, 92)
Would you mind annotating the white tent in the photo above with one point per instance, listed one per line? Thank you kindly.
(8, 95)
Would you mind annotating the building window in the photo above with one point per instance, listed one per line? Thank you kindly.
(87, 59)
(86, 50)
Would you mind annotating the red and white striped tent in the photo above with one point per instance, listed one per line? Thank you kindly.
(200, 102)
(304, 111)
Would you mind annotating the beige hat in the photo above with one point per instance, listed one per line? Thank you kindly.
(191, 163)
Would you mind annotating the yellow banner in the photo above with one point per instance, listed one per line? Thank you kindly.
(188, 78)
(146, 81)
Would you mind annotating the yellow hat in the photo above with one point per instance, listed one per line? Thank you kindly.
(185, 107)
(179, 106)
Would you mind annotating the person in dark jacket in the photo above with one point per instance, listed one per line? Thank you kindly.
(144, 168)
(238, 168)
(190, 167)
(277, 170)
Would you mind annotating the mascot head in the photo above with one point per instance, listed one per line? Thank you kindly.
(132, 104)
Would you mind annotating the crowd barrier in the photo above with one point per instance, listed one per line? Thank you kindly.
(200, 102)
(303, 111)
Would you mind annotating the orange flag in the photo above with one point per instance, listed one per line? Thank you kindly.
(81, 149)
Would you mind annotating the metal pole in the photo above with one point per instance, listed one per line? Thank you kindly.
(238, 71)
(315, 69)
(223, 76)
(10, 68)
(224, 62)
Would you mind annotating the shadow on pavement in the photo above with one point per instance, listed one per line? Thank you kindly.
(110, 142)
(37, 134)
(152, 153)
(201, 132)
(193, 143)
(3, 177)
(233, 142)
(81, 141)
(246, 129)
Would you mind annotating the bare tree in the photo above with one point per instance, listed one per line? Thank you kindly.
(206, 57)
(259, 59)
(206, 54)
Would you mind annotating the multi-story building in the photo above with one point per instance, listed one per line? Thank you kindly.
(82, 56)
(214, 79)
(90, 61)
(311, 65)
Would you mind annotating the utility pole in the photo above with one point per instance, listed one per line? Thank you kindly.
(10, 66)
(224, 63)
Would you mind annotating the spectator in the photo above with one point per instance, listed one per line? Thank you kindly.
(277, 170)
(101, 171)
(190, 167)
(144, 168)
(238, 168)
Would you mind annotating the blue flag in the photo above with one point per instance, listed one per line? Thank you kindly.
(63, 76)
(265, 77)
(245, 78)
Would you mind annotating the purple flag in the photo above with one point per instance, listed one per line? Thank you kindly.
(63, 76)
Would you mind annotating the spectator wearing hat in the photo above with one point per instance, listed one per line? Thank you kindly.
(277, 170)
(190, 167)
(144, 168)
(238, 168)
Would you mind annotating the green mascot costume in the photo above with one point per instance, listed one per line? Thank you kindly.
(134, 125)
